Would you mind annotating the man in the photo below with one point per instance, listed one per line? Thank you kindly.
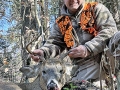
(84, 29)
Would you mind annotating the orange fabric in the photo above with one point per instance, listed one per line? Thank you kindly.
(86, 22)
(87, 18)
(65, 26)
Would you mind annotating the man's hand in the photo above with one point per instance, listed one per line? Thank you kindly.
(37, 55)
(80, 51)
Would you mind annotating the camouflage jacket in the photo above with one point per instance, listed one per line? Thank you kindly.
(105, 26)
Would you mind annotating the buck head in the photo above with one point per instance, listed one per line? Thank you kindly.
(51, 74)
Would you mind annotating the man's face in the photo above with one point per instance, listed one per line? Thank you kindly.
(73, 5)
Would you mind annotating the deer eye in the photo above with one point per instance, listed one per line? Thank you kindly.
(61, 71)
(44, 72)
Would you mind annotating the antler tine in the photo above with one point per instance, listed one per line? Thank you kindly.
(29, 50)
(64, 55)
(28, 47)
(76, 42)
(75, 38)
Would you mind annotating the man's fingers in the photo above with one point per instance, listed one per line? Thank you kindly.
(35, 58)
(74, 55)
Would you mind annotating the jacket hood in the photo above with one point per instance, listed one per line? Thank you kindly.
(65, 11)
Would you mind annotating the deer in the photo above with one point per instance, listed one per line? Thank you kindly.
(9, 86)
(51, 74)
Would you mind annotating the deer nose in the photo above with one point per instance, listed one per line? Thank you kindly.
(52, 85)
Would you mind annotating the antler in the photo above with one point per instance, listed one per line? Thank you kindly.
(28, 47)
(29, 50)
(76, 42)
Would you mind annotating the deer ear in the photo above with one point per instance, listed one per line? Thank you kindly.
(31, 71)
(25, 70)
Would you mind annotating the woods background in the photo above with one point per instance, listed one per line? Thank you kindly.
(22, 21)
